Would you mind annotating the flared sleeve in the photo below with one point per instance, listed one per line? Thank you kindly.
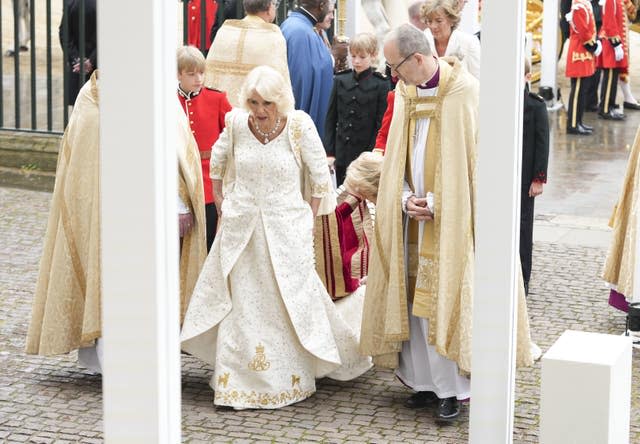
(223, 148)
(312, 155)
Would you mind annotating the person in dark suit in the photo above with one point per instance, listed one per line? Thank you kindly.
(227, 9)
(358, 102)
(81, 64)
(535, 157)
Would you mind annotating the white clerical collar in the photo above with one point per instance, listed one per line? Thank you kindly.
(311, 17)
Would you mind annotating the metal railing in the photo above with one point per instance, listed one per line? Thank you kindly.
(36, 70)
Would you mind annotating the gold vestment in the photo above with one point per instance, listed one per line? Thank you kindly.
(66, 312)
(445, 265)
(240, 46)
(620, 264)
(66, 307)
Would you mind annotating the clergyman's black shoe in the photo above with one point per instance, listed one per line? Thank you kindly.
(448, 409)
(420, 399)
(586, 127)
(631, 105)
(578, 131)
(611, 115)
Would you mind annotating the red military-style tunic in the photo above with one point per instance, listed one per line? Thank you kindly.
(582, 40)
(383, 132)
(613, 33)
(205, 110)
(194, 25)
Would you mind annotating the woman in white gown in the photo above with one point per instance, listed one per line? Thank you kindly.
(442, 18)
(259, 313)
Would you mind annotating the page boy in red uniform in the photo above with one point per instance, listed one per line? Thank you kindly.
(205, 109)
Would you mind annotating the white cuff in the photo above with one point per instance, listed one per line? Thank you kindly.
(406, 194)
(182, 207)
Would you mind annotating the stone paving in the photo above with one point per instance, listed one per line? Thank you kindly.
(52, 400)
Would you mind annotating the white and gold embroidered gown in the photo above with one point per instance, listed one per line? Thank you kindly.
(259, 313)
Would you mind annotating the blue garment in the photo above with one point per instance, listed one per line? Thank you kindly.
(310, 67)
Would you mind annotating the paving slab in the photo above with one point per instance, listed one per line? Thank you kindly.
(52, 399)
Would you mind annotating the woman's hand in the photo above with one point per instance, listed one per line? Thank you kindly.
(331, 162)
(315, 204)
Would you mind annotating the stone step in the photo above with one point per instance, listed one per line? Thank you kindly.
(28, 159)
(27, 179)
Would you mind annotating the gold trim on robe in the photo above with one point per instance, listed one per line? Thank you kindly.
(444, 288)
(240, 46)
(620, 264)
(194, 244)
(66, 307)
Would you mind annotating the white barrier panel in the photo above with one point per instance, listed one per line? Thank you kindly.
(586, 390)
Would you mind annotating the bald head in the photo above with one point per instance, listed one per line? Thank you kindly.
(408, 40)
(415, 16)
(409, 56)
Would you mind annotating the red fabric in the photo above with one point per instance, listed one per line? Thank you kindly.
(348, 244)
(193, 21)
(614, 22)
(341, 246)
(383, 132)
(206, 112)
(580, 62)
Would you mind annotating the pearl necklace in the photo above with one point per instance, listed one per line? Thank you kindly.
(267, 136)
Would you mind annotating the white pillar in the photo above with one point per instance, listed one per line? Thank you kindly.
(496, 235)
(141, 382)
(549, 50)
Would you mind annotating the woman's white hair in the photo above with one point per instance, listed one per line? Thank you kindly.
(271, 86)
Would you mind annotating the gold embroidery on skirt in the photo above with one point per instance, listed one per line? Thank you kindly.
(295, 379)
(223, 380)
(259, 362)
(254, 399)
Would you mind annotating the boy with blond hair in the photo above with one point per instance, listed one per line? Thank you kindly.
(358, 102)
(205, 109)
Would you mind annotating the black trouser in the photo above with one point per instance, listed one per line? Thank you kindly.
(609, 89)
(526, 235)
(211, 213)
(576, 101)
(591, 94)
(341, 173)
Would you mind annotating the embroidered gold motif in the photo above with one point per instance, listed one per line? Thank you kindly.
(217, 171)
(318, 190)
(296, 136)
(259, 362)
(581, 56)
(223, 380)
(295, 379)
(258, 400)
(427, 280)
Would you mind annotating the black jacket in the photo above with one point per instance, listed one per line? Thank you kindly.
(356, 107)
(71, 13)
(535, 139)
